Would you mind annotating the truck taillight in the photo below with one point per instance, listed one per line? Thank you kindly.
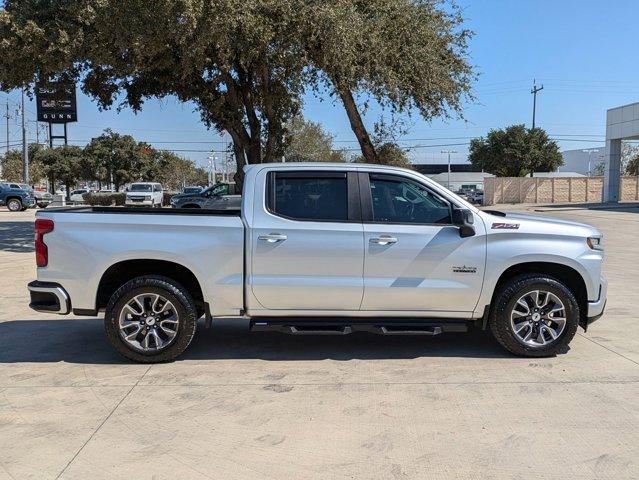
(42, 226)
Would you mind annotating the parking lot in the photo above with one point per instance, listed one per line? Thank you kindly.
(266, 405)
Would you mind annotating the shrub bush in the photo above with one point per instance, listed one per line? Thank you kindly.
(166, 198)
(104, 199)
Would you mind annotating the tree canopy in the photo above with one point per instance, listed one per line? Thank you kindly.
(245, 64)
(515, 152)
(308, 142)
(110, 157)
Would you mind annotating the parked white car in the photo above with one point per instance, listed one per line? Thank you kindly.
(145, 194)
(76, 195)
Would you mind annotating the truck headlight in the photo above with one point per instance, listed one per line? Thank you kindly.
(147, 197)
(594, 243)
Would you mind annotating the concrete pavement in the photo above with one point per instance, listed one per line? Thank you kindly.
(254, 406)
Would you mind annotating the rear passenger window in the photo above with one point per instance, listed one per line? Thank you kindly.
(309, 196)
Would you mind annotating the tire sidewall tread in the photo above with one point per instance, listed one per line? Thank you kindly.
(187, 313)
(499, 319)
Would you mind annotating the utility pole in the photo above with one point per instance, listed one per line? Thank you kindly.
(448, 152)
(7, 117)
(534, 91)
(25, 147)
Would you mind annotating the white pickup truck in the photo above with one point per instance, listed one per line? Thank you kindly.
(321, 249)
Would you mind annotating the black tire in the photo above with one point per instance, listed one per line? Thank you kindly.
(43, 205)
(171, 290)
(504, 302)
(14, 205)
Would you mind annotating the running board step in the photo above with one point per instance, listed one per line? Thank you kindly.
(323, 327)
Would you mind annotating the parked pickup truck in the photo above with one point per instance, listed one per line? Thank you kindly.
(321, 249)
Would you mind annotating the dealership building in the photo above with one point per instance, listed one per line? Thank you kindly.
(622, 123)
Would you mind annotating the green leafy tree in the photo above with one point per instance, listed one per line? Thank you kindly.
(117, 158)
(629, 159)
(389, 153)
(175, 172)
(246, 64)
(406, 55)
(12, 165)
(62, 163)
(515, 152)
(308, 142)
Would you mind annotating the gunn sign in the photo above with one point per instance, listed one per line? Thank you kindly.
(56, 103)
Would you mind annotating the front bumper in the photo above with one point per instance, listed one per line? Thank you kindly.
(138, 203)
(49, 297)
(596, 308)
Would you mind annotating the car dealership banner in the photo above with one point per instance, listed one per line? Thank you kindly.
(56, 103)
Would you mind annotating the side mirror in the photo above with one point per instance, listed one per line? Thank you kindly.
(464, 219)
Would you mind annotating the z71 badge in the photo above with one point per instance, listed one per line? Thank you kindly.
(505, 226)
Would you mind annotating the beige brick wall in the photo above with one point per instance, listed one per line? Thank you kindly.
(628, 189)
(552, 190)
(544, 190)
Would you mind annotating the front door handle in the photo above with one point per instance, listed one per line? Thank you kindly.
(272, 237)
(383, 240)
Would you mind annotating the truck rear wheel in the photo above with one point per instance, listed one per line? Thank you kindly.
(14, 205)
(534, 315)
(151, 319)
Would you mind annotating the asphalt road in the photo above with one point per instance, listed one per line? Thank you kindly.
(256, 406)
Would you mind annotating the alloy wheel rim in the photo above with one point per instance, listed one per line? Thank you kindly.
(538, 318)
(148, 322)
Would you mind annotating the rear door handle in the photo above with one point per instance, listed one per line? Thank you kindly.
(383, 240)
(272, 237)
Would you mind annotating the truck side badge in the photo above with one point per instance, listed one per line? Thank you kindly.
(464, 269)
(505, 226)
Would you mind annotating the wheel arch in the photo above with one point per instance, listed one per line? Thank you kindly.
(13, 197)
(563, 273)
(121, 272)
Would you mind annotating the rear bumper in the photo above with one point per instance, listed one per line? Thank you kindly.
(596, 308)
(49, 297)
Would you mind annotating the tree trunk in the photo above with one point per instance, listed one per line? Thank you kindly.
(357, 125)
(240, 159)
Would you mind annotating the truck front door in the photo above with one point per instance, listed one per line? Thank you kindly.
(307, 241)
(415, 259)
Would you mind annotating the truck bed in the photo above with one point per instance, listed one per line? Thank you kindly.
(87, 241)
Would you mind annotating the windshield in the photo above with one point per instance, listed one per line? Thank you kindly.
(139, 187)
(26, 187)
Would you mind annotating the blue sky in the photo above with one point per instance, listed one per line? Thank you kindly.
(581, 51)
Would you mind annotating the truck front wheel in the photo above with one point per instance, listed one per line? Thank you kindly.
(534, 315)
(151, 319)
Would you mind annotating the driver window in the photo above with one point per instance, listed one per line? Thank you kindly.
(222, 189)
(398, 200)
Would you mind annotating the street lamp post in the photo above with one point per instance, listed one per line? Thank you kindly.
(212, 159)
(448, 152)
(590, 151)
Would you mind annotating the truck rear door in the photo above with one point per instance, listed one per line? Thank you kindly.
(307, 241)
